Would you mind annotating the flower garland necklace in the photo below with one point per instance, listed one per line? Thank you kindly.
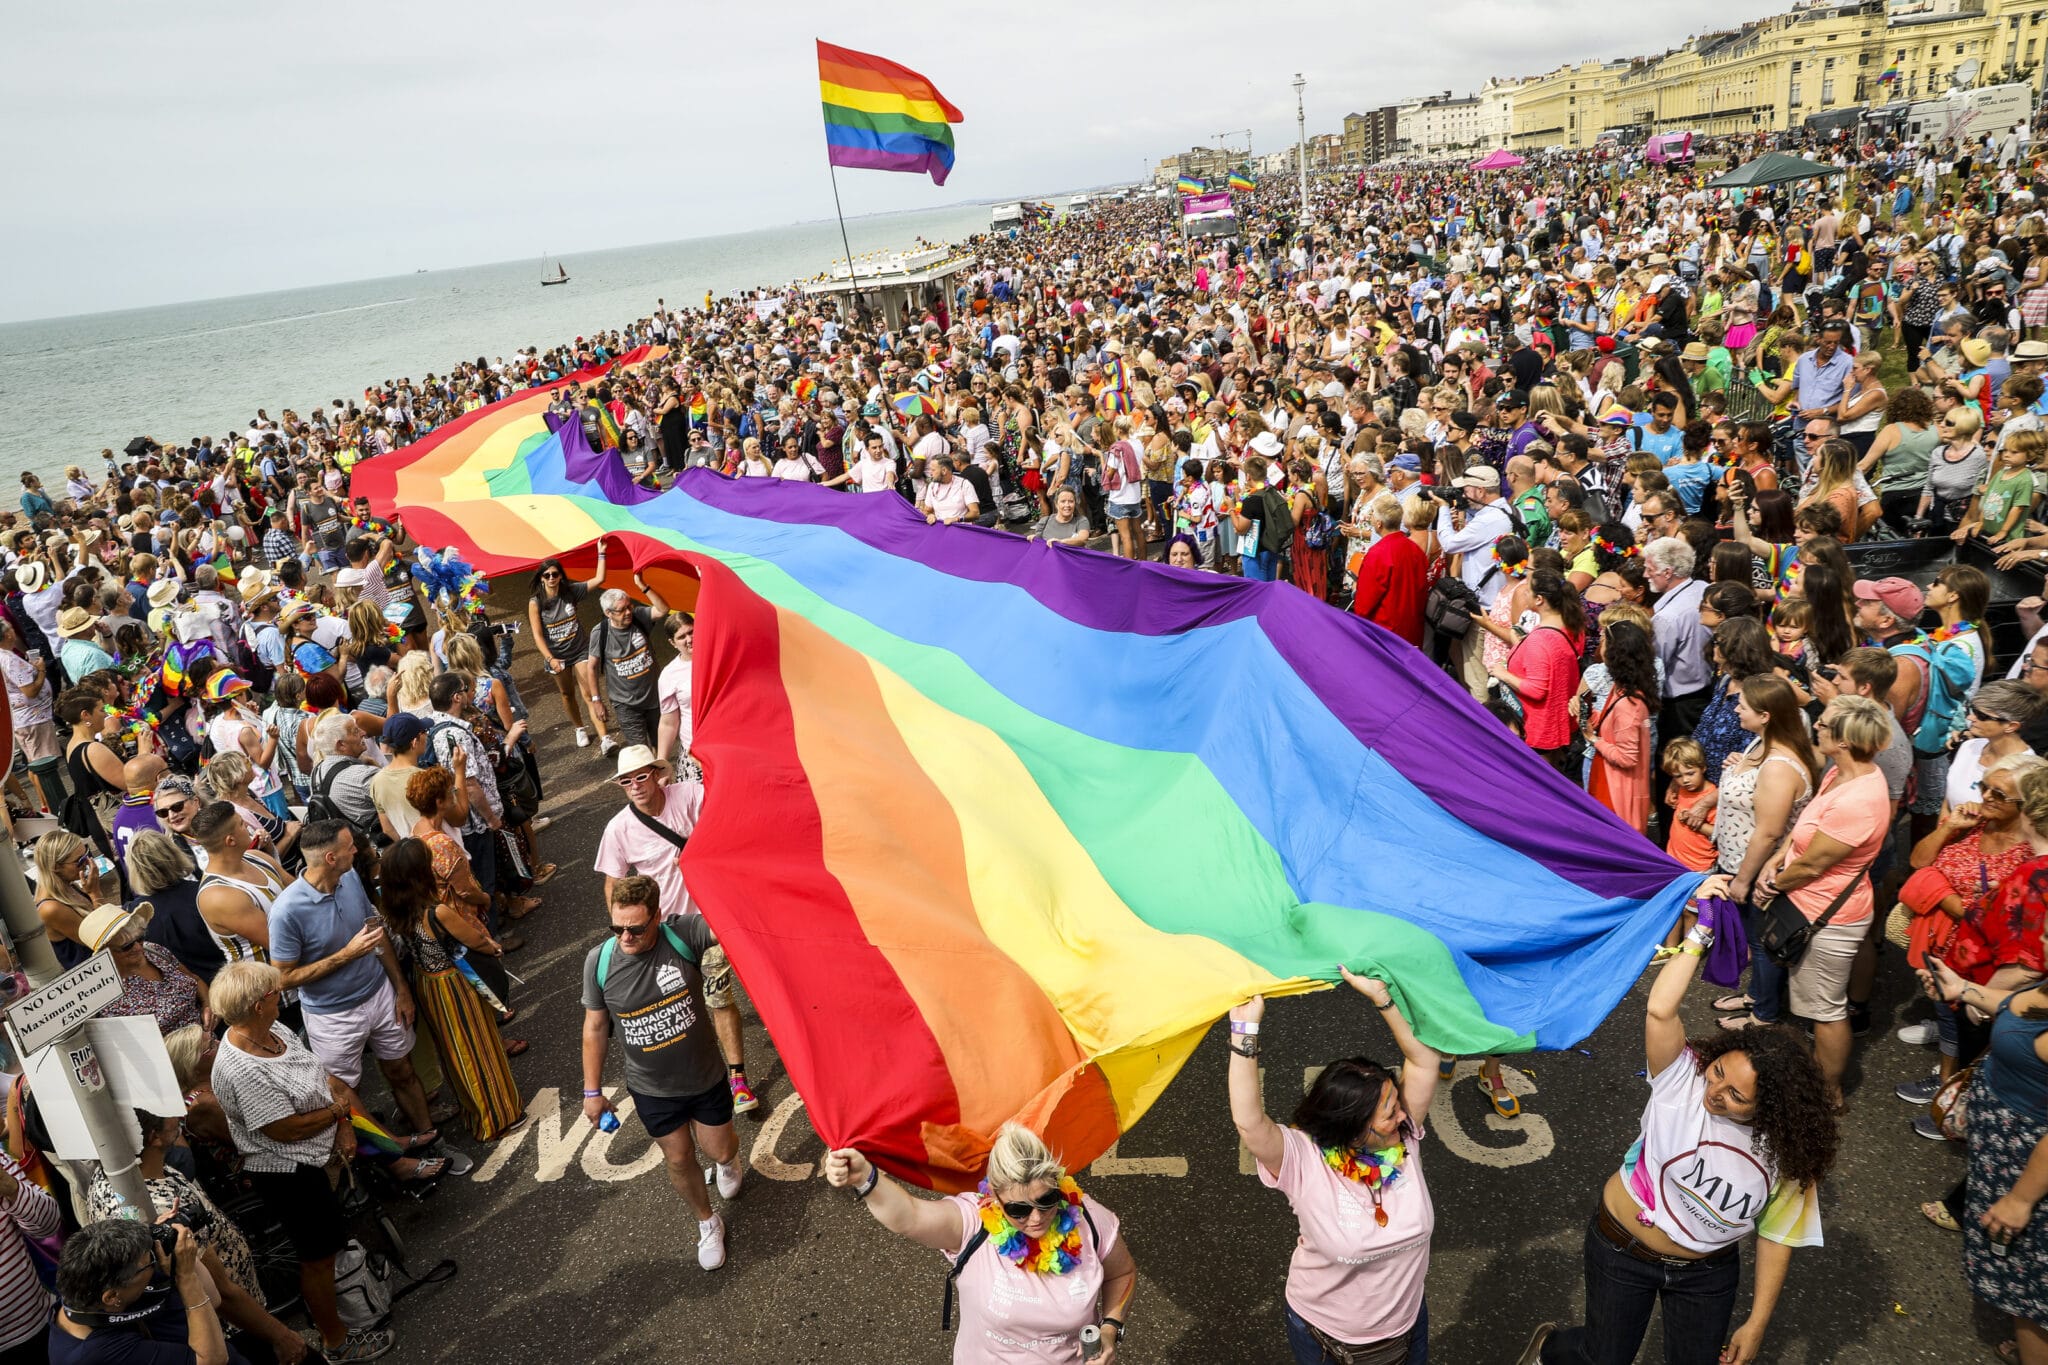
(1054, 1253)
(1950, 632)
(1376, 1170)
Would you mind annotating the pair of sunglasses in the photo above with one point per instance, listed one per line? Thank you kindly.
(1020, 1210)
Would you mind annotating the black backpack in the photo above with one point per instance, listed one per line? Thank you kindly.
(321, 805)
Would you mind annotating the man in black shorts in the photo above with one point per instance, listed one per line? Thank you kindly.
(645, 979)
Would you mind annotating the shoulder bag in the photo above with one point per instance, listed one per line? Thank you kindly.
(1786, 933)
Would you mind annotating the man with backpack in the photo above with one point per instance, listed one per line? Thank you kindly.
(645, 980)
(341, 779)
(1931, 694)
(647, 838)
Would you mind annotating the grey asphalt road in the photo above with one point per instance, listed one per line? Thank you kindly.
(572, 1246)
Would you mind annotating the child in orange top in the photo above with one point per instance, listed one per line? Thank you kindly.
(1686, 763)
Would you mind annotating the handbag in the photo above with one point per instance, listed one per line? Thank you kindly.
(1449, 607)
(1785, 933)
(1950, 1107)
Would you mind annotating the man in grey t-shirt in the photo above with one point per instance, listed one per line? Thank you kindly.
(645, 980)
(623, 650)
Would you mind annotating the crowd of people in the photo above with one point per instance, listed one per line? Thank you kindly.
(1598, 441)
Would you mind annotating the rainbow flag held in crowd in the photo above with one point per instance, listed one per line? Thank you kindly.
(1000, 830)
(1187, 184)
(880, 116)
(1240, 181)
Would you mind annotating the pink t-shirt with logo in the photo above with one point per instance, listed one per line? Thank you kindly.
(1016, 1317)
(628, 846)
(1349, 1276)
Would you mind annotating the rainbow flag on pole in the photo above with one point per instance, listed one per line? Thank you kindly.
(1890, 73)
(880, 116)
(1240, 181)
(1000, 829)
(1187, 184)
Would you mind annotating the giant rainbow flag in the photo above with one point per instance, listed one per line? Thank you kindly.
(998, 829)
(882, 116)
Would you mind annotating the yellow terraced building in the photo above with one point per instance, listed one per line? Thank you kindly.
(1773, 74)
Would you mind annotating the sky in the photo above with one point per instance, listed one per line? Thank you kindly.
(213, 148)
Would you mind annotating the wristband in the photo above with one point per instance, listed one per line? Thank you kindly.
(867, 1187)
(1691, 950)
(1250, 1026)
(593, 1094)
(1117, 1323)
(1389, 1005)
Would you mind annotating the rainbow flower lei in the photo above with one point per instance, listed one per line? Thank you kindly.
(1055, 1253)
(1518, 569)
(1376, 1170)
(1936, 637)
(1606, 546)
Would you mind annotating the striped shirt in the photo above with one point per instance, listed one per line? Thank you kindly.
(24, 1303)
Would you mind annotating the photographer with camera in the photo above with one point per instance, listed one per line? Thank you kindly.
(132, 1291)
(1470, 518)
(223, 1251)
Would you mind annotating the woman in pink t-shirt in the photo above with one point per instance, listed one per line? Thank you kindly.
(1543, 671)
(1351, 1165)
(1036, 1260)
(1830, 849)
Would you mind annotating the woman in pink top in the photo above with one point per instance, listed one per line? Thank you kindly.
(1543, 672)
(1035, 1259)
(1830, 849)
(1618, 726)
(1351, 1165)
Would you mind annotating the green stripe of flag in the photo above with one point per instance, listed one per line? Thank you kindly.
(888, 123)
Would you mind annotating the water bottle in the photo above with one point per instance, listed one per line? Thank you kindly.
(1091, 1342)
(608, 1121)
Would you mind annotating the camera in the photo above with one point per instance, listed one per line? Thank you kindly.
(1453, 498)
(165, 1234)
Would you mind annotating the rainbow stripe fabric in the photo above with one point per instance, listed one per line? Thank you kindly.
(1188, 185)
(1239, 181)
(996, 829)
(881, 116)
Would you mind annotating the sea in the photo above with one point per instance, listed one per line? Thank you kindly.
(76, 386)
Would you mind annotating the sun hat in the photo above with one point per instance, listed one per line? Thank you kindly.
(108, 922)
(75, 621)
(1976, 350)
(1694, 350)
(1266, 443)
(634, 757)
(350, 577)
(224, 683)
(31, 576)
(163, 592)
(295, 612)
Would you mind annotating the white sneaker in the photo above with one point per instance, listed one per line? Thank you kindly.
(726, 1177)
(541, 822)
(1920, 1034)
(582, 738)
(711, 1243)
(604, 749)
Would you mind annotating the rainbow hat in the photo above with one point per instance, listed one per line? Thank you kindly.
(224, 683)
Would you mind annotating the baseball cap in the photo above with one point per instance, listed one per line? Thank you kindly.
(1899, 596)
(1410, 462)
(1473, 478)
(401, 730)
(1513, 398)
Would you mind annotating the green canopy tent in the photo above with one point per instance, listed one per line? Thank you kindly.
(1772, 168)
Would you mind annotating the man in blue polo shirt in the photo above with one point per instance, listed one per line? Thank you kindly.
(1819, 376)
(329, 943)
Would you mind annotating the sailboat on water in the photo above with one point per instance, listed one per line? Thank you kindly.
(560, 276)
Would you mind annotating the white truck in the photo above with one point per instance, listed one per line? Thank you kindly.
(1006, 216)
(1965, 115)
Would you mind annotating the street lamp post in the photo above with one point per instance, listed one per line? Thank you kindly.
(1301, 144)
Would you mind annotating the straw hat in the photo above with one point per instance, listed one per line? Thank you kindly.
(31, 575)
(1976, 350)
(1694, 350)
(163, 592)
(109, 922)
(73, 622)
(635, 757)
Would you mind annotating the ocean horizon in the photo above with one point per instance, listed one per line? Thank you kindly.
(88, 382)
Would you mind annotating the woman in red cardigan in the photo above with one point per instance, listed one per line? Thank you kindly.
(1543, 672)
(1393, 578)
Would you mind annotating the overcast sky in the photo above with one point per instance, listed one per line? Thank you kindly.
(165, 152)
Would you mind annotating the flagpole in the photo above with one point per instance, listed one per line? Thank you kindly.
(851, 275)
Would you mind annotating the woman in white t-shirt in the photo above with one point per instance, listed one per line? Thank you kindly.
(1036, 1260)
(1350, 1164)
(1735, 1139)
(1997, 714)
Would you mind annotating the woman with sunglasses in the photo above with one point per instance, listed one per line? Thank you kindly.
(1350, 1164)
(1035, 1258)
(560, 636)
(71, 879)
(1954, 471)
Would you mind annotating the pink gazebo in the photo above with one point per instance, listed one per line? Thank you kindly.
(1501, 160)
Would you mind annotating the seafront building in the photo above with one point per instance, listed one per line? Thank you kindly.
(1816, 65)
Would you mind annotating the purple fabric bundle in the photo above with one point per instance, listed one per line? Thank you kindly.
(1730, 953)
